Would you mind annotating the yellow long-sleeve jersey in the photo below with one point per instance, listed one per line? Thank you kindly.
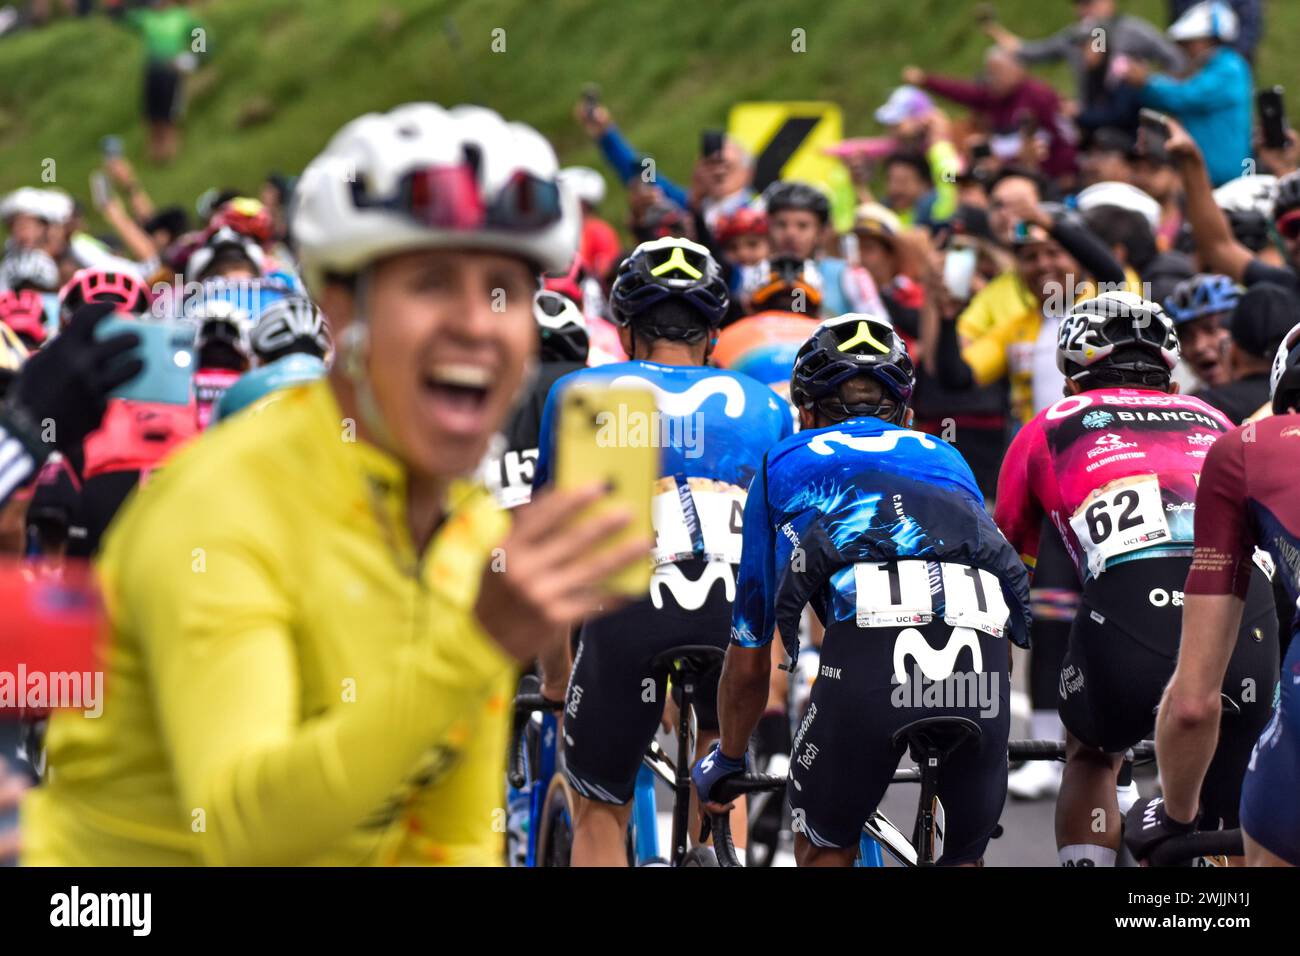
(287, 681)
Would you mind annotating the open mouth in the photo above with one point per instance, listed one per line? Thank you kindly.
(458, 396)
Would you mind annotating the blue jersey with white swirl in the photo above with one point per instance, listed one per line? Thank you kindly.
(714, 423)
(863, 490)
(713, 428)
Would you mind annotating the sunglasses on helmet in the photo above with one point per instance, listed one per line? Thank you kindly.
(449, 197)
(1288, 226)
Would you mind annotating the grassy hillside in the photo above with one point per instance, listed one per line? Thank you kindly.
(283, 74)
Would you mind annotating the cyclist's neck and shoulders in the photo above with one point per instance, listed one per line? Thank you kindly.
(1115, 398)
(864, 434)
(674, 369)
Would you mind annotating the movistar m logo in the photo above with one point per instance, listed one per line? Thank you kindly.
(690, 595)
(935, 663)
(684, 403)
(887, 441)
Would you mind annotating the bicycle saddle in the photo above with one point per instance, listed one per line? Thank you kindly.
(936, 735)
(695, 659)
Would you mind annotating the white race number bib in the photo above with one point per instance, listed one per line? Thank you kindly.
(894, 593)
(1122, 516)
(713, 510)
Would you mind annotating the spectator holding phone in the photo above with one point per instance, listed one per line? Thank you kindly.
(1214, 101)
(921, 175)
(1100, 42)
(720, 183)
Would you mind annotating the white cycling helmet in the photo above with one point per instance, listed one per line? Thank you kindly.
(585, 183)
(421, 176)
(286, 322)
(1248, 194)
(1123, 195)
(29, 268)
(1098, 327)
(57, 204)
(24, 201)
(219, 320)
(1211, 20)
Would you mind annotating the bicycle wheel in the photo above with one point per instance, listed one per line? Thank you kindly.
(699, 856)
(555, 840)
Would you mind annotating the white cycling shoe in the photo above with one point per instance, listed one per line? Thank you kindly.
(1036, 780)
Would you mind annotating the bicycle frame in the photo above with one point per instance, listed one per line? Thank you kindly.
(645, 816)
(547, 750)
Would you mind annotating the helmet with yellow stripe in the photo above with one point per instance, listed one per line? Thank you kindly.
(843, 348)
(666, 270)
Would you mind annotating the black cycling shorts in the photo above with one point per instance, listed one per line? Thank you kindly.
(615, 698)
(843, 760)
(1122, 652)
(162, 85)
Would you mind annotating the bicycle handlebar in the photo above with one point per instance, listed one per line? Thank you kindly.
(1143, 750)
(527, 702)
(719, 824)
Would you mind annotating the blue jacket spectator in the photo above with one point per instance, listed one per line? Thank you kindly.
(626, 163)
(1250, 22)
(1214, 102)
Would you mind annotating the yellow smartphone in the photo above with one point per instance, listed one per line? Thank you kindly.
(609, 435)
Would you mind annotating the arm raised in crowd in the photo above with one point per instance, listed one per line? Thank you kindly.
(626, 162)
(1086, 246)
(1211, 232)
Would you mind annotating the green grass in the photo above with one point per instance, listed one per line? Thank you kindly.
(667, 71)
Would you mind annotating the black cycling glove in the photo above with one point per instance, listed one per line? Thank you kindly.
(66, 384)
(1148, 825)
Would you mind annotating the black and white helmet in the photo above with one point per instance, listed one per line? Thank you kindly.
(29, 269)
(291, 324)
(1284, 381)
(1097, 328)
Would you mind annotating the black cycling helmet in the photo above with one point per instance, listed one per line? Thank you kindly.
(1284, 380)
(1118, 338)
(787, 194)
(1286, 198)
(844, 348)
(670, 270)
(1249, 227)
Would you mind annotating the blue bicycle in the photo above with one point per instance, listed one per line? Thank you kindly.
(540, 817)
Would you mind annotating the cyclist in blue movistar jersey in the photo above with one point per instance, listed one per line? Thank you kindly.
(883, 530)
(714, 428)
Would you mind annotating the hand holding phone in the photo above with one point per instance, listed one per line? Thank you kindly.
(167, 351)
(1272, 117)
(959, 272)
(101, 194)
(597, 440)
(590, 99)
(1153, 134)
